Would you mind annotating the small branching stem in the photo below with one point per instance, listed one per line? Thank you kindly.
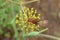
(23, 3)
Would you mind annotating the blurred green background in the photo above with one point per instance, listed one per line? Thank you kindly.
(50, 15)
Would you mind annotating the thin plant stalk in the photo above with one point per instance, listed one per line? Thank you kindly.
(49, 36)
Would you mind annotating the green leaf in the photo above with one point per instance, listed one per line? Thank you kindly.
(32, 34)
(35, 33)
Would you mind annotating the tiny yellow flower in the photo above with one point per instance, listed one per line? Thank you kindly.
(32, 30)
(17, 21)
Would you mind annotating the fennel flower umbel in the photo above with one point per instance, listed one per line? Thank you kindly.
(31, 20)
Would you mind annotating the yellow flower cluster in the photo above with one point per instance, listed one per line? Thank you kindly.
(30, 19)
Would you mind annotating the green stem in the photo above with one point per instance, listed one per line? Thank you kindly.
(15, 32)
(23, 25)
(14, 24)
(49, 36)
(22, 21)
(43, 30)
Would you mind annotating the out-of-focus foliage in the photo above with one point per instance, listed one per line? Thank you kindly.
(8, 11)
